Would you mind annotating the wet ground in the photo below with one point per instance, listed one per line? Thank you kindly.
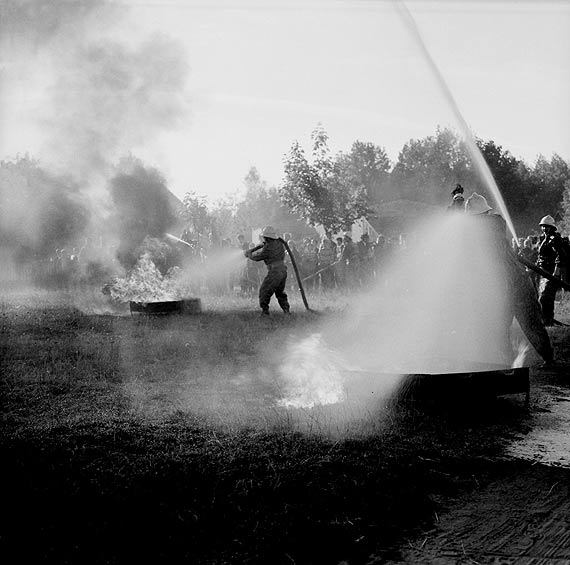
(520, 512)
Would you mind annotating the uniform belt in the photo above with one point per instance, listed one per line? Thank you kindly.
(275, 264)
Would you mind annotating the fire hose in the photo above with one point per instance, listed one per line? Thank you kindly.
(293, 262)
(543, 273)
(321, 270)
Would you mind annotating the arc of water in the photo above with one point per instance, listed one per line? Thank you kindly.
(476, 154)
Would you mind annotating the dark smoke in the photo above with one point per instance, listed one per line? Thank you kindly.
(143, 208)
(39, 212)
(94, 92)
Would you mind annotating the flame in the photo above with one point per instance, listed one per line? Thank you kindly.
(313, 374)
(145, 283)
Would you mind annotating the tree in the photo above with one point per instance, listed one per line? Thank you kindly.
(195, 214)
(427, 169)
(565, 223)
(324, 191)
(548, 181)
(509, 174)
(259, 206)
(39, 211)
(367, 165)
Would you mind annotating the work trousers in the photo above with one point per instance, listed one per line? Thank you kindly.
(546, 297)
(274, 283)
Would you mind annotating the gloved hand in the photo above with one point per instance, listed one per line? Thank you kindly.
(247, 253)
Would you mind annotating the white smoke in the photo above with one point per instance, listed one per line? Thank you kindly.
(312, 374)
(441, 308)
(82, 88)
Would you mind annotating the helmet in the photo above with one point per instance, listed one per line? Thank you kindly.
(476, 204)
(547, 221)
(269, 232)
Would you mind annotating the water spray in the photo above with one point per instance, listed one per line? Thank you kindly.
(169, 235)
(480, 162)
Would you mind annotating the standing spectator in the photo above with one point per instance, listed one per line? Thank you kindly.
(565, 263)
(366, 255)
(310, 262)
(327, 258)
(379, 257)
(350, 260)
(340, 267)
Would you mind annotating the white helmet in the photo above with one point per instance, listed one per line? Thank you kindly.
(547, 221)
(269, 232)
(476, 204)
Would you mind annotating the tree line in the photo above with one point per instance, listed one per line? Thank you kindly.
(335, 190)
(41, 211)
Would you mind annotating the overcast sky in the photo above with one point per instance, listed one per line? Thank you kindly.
(247, 78)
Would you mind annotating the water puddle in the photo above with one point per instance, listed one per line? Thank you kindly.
(549, 440)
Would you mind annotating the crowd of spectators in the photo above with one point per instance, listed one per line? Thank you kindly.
(323, 264)
(326, 264)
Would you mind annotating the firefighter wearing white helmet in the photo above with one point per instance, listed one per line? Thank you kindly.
(272, 253)
(477, 204)
(550, 258)
(490, 230)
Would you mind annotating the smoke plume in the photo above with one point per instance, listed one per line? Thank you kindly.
(81, 90)
(39, 211)
(142, 207)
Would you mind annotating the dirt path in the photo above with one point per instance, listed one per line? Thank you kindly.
(521, 513)
(521, 518)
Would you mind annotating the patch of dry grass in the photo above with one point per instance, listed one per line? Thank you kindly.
(132, 438)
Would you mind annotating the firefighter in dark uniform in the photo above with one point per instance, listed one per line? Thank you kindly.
(522, 304)
(550, 257)
(272, 253)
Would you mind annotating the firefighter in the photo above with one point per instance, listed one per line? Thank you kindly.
(550, 258)
(522, 301)
(272, 253)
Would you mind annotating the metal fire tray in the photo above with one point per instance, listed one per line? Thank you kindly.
(186, 306)
(471, 384)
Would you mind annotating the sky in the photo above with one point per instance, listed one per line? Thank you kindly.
(204, 90)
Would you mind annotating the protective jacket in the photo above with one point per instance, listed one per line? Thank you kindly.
(523, 303)
(550, 252)
(272, 253)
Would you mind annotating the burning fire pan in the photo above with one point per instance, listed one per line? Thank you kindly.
(472, 385)
(186, 306)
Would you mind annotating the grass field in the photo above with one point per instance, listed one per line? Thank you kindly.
(164, 439)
